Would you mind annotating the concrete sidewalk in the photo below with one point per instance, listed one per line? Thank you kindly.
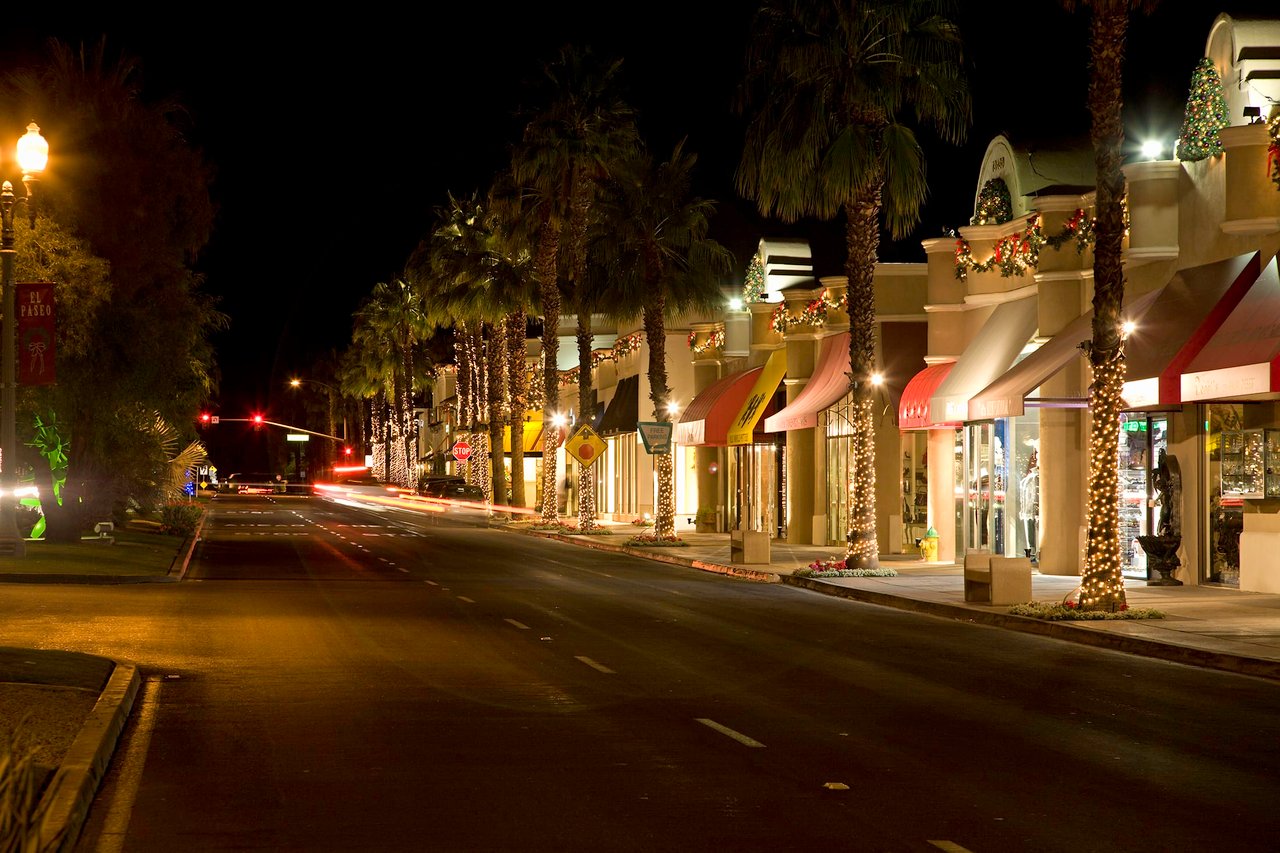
(1208, 626)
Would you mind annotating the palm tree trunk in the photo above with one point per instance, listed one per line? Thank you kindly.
(497, 352)
(1102, 583)
(518, 390)
(655, 335)
(586, 415)
(548, 247)
(862, 238)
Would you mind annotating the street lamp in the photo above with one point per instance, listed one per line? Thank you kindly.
(334, 396)
(33, 155)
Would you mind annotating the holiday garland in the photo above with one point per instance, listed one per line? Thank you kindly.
(1013, 254)
(814, 313)
(1205, 116)
(995, 206)
(1017, 253)
(715, 340)
(622, 346)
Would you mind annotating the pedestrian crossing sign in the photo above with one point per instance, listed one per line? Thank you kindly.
(585, 446)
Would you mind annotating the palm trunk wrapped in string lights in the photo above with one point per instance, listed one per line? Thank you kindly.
(1102, 583)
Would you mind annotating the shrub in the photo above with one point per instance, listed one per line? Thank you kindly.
(1069, 611)
(180, 519)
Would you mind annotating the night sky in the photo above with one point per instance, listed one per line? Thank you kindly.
(335, 136)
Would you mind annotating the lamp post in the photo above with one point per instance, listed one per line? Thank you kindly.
(334, 396)
(33, 155)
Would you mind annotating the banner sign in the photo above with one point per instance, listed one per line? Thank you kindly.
(656, 436)
(36, 323)
(744, 425)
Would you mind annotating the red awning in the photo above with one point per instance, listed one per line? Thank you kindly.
(1242, 360)
(913, 409)
(706, 420)
(829, 383)
(1189, 311)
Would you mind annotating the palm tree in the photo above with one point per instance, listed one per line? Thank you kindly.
(391, 330)
(566, 151)
(831, 85)
(659, 263)
(1102, 581)
(475, 272)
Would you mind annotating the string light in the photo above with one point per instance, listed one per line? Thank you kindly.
(862, 548)
(1102, 584)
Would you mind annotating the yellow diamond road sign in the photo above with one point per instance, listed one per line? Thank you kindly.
(585, 445)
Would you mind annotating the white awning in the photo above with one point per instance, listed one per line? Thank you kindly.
(1009, 395)
(991, 352)
(1242, 360)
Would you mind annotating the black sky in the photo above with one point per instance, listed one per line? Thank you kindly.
(334, 136)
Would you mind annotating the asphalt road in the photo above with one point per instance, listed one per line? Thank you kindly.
(329, 678)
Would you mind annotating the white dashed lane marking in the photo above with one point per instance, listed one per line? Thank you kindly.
(467, 600)
(520, 625)
(599, 667)
(728, 732)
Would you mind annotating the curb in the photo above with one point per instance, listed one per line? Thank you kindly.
(648, 554)
(1138, 646)
(74, 785)
(190, 547)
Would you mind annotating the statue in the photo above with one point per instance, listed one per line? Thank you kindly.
(1162, 548)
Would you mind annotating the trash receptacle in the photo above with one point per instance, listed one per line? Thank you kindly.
(929, 546)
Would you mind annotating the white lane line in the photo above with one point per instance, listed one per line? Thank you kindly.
(464, 598)
(433, 583)
(116, 822)
(520, 625)
(384, 560)
(950, 846)
(402, 569)
(728, 732)
(599, 667)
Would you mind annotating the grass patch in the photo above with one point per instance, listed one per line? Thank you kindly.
(1056, 611)
(134, 552)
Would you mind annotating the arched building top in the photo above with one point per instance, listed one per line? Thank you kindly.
(1246, 52)
(1033, 169)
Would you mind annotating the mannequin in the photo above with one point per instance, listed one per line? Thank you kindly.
(1029, 499)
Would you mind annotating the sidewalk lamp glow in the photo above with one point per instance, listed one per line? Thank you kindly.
(1127, 327)
(1152, 149)
(877, 378)
(673, 408)
(32, 157)
(735, 303)
(558, 420)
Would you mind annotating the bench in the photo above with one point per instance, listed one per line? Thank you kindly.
(997, 580)
(748, 546)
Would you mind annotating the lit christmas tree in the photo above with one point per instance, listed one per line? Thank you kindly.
(1206, 114)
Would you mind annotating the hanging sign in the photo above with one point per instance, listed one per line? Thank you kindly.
(461, 450)
(585, 446)
(36, 321)
(655, 435)
(744, 425)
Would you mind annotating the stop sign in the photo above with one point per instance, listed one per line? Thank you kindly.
(461, 450)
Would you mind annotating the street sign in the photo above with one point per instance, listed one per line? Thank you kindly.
(585, 445)
(215, 419)
(297, 436)
(655, 435)
(461, 450)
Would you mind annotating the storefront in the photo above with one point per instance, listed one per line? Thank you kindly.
(1237, 377)
(994, 455)
(754, 470)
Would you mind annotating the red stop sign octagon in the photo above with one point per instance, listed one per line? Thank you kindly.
(461, 451)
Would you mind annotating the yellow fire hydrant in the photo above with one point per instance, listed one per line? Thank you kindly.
(929, 546)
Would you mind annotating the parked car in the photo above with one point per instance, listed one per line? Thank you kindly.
(433, 487)
(460, 492)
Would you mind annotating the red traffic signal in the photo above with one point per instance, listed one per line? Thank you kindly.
(205, 418)
(346, 451)
(257, 421)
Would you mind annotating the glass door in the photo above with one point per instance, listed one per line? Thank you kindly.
(978, 476)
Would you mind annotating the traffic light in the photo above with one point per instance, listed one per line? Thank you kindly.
(205, 419)
(346, 451)
(257, 421)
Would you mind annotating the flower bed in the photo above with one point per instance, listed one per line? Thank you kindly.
(1070, 611)
(649, 540)
(837, 569)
